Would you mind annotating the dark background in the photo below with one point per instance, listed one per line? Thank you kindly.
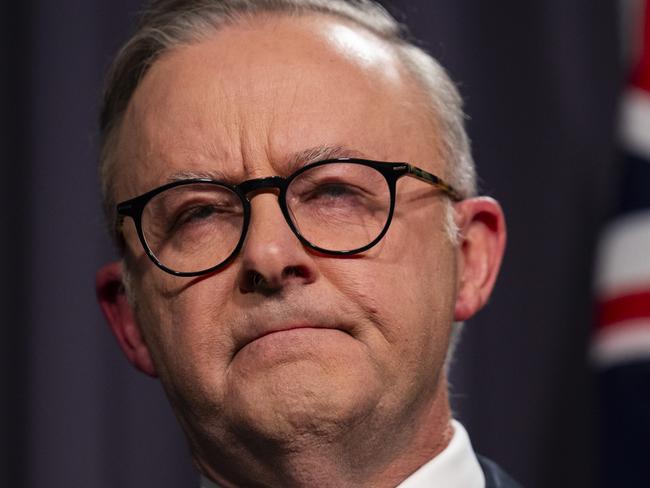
(541, 80)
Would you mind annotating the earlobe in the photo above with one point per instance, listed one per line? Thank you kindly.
(483, 239)
(113, 301)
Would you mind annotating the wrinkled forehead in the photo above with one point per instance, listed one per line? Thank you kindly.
(253, 94)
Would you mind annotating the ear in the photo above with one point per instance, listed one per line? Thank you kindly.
(112, 299)
(483, 239)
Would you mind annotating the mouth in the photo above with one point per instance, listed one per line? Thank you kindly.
(285, 332)
(286, 329)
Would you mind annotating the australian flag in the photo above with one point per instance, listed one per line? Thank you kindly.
(621, 345)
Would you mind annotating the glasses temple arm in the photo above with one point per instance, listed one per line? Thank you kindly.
(432, 179)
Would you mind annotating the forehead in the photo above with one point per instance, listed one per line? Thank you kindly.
(249, 97)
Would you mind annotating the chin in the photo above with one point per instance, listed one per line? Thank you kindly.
(302, 400)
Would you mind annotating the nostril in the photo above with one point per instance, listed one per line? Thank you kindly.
(254, 281)
(257, 280)
(295, 272)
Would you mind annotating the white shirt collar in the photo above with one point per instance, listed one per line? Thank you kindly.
(455, 467)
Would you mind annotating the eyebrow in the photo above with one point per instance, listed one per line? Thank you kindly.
(320, 153)
(212, 174)
(296, 161)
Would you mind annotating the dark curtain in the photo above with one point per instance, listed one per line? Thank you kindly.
(541, 80)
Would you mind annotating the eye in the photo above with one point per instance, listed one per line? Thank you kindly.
(202, 214)
(330, 193)
(196, 213)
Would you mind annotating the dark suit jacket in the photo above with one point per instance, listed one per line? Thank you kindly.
(495, 477)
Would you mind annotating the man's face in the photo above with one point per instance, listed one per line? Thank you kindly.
(331, 343)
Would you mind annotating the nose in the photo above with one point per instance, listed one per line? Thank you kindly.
(272, 256)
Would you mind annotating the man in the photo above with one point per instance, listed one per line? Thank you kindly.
(291, 188)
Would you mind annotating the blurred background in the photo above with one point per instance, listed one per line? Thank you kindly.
(541, 388)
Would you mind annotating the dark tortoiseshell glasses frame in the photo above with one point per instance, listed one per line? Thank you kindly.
(391, 171)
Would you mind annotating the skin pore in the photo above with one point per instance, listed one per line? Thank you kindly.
(332, 372)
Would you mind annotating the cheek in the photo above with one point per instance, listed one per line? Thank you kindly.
(408, 297)
(187, 329)
(408, 280)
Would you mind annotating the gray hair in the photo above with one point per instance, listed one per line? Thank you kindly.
(168, 24)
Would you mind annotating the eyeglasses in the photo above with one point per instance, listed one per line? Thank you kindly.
(338, 207)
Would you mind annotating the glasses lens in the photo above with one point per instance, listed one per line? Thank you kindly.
(193, 227)
(339, 206)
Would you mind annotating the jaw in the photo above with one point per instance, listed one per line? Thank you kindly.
(311, 452)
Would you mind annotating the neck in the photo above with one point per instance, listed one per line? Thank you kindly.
(371, 454)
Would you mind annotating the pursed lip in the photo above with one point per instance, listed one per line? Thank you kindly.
(256, 333)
